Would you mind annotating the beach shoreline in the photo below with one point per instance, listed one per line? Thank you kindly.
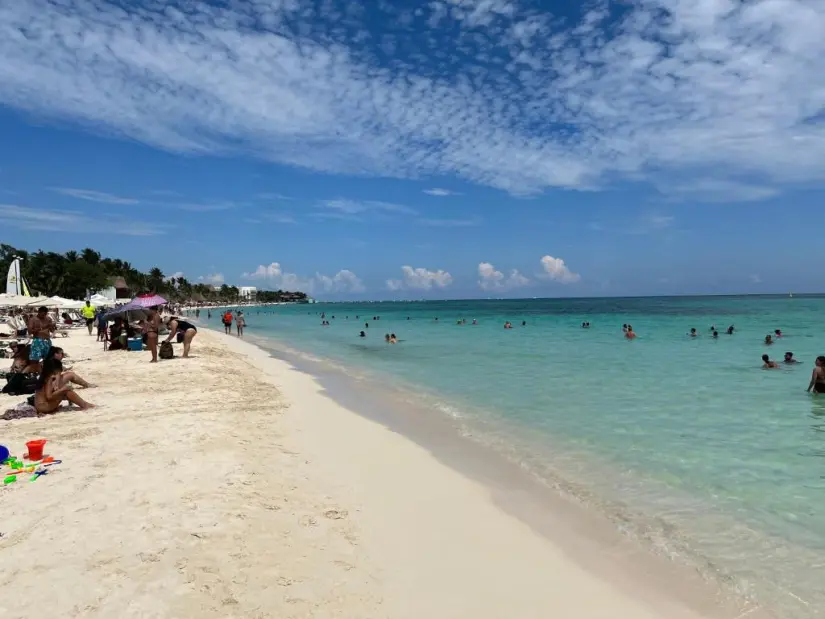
(297, 506)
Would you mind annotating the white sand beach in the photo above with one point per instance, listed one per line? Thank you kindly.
(231, 485)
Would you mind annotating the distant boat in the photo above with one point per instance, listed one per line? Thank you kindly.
(790, 294)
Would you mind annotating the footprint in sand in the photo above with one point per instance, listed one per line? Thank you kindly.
(336, 514)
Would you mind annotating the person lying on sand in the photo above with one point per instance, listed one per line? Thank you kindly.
(50, 394)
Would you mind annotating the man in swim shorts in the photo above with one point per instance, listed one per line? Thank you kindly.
(41, 328)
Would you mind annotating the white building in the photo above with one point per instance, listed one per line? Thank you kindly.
(247, 292)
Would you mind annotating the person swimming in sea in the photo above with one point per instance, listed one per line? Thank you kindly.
(387, 338)
(624, 328)
(777, 333)
(768, 364)
(523, 323)
(630, 334)
(475, 322)
(715, 334)
(730, 330)
(508, 325)
(393, 339)
(817, 384)
(362, 334)
(789, 359)
(768, 340)
(693, 333)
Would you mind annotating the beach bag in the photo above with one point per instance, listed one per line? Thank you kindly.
(20, 384)
(166, 350)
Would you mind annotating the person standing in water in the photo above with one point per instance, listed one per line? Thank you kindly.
(630, 334)
(817, 384)
(240, 323)
(227, 322)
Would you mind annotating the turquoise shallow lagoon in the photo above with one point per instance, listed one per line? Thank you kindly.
(684, 442)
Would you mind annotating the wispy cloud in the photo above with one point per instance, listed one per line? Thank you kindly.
(651, 223)
(665, 89)
(449, 223)
(206, 207)
(91, 195)
(278, 218)
(271, 196)
(718, 190)
(441, 193)
(359, 207)
(73, 222)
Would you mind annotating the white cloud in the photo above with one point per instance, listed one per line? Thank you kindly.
(492, 280)
(449, 223)
(26, 218)
(441, 193)
(355, 207)
(420, 279)
(556, 270)
(756, 279)
(214, 279)
(92, 196)
(174, 276)
(717, 190)
(344, 281)
(673, 89)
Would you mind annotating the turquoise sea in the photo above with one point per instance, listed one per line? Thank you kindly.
(685, 443)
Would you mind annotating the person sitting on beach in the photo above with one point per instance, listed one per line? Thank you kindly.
(67, 376)
(789, 359)
(768, 364)
(50, 393)
(176, 325)
(817, 384)
(20, 360)
(693, 333)
(41, 328)
(768, 340)
(630, 334)
(777, 333)
(67, 320)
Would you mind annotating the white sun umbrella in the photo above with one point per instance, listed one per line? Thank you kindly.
(7, 300)
(58, 302)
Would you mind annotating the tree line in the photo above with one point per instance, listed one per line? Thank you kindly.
(74, 274)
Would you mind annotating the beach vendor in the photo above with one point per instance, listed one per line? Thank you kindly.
(41, 328)
(88, 312)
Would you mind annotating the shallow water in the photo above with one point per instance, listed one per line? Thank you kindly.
(684, 442)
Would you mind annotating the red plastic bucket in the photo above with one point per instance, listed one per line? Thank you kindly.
(36, 449)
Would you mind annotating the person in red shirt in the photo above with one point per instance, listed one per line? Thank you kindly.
(227, 322)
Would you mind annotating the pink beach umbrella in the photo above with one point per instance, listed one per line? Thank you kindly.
(148, 300)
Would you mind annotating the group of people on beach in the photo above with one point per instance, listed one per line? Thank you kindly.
(227, 319)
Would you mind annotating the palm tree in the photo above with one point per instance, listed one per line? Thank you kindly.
(155, 280)
(90, 256)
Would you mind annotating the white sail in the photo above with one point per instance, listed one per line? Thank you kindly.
(13, 278)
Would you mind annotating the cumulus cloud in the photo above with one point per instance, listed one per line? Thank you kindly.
(174, 276)
(492, 280)
(497, 92)
(214, 279)
(343, 281)
(274, 275)
(420, 279)
(555, 269)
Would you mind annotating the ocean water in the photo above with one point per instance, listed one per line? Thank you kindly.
(685, 443)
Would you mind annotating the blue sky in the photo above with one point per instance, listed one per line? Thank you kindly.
(453, 148)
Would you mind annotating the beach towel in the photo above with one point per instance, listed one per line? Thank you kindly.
(20, 411)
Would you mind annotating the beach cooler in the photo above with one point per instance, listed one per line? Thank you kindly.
(135, 343)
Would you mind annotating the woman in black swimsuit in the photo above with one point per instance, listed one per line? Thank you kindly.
(818, 376)
(176, 325)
